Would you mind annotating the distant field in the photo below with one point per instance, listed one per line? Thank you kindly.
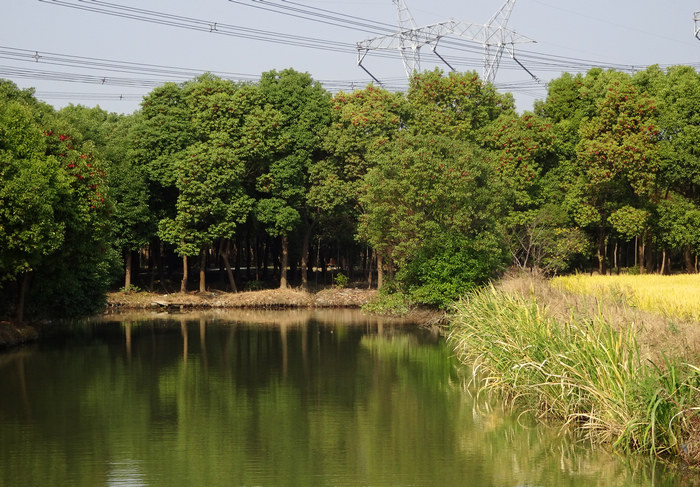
(677, 295)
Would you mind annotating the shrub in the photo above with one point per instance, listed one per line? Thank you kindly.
(445, 268)
(341, 280)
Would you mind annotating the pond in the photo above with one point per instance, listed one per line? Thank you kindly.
(284, 398)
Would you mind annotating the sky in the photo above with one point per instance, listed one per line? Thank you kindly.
(112, 52)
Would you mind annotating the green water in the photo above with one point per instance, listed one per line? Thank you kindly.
(295, 398)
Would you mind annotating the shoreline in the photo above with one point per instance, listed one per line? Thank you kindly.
(12, 335)
(268, 298)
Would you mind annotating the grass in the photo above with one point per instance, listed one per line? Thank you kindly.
(568, 360)
(677, 295)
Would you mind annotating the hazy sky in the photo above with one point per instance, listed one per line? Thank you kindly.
(74, 55)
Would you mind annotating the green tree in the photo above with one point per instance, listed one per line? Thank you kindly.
(31, 187)
(162, 132)
(362, 123)
(458, 105)
(677, 91)
(76, 277)
(424, 198)
(232, 129)
(678, 221)
(133, 221)
(304, 108)
(617, 160)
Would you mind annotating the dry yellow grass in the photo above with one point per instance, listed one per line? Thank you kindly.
(672, 296)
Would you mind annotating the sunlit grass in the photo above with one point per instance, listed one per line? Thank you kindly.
(677, 295)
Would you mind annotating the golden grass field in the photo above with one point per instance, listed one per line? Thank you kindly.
(674, 296)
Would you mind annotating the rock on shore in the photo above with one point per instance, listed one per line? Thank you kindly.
(11, 335)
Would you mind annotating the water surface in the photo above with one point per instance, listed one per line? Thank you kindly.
(294, 398)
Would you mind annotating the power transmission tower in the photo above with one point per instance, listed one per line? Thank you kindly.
(697, 25)
(493, 36)
(410, 52)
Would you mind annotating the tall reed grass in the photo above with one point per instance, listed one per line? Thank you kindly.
(585, 373)
(676, 295)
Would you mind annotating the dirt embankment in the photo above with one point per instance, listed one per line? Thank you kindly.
(270, 298)
(12, 335)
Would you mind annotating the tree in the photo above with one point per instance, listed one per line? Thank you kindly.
(617, 159)
(304, 108)
(232, 129)
(31, 185)
(677, 91)
(424, 198)
(362, 123)
(536, 229)
(76, 277)
(132, 220)
(162, 131)
(678, 228)
(458, 105)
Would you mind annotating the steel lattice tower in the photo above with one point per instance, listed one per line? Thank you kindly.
(493, 36)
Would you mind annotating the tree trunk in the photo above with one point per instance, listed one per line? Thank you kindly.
(23, 288)
(663, 262)
(687, 256)
(602, 269)
(161, 266)
(283, 264)
(370, 258)
(380, 270)
(183, 283)
(127, 270)
(229, 273)
(648, 256)
(305, 257)
(202, 271)
(640, 253)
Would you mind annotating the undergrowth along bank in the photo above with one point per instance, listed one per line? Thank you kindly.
(585, 372)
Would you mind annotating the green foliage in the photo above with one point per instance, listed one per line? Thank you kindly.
(524, 151)
(283, 182)
(678, 118)
(421, 187)
(449, 266)
(457, 105)
(390, 302)
(433, 180)
(341, 280)
(629, 222)
(544, 239)
(277, 217)
(31, 187)
(131, 289)
(54, 209)
(678, 222)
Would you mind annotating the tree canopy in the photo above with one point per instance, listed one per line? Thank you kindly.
(280, 182)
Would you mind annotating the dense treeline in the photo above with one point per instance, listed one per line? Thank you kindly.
(270, 183)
